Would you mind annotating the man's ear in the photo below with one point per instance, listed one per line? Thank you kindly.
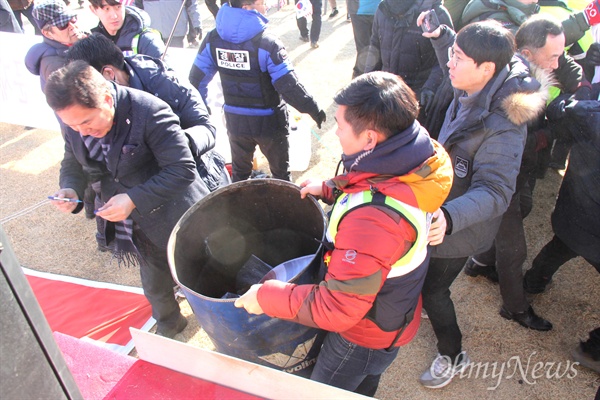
(489, 68)
(108, 73)
(527, 54)
(48, 33)
(372, 139)
(108, 99)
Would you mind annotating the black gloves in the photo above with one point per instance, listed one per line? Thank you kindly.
(426, 100)
(320, 118)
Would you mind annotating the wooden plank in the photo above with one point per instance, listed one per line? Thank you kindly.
(230, 371)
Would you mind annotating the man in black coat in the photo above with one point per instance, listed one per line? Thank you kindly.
(134, 143)
(576, 216)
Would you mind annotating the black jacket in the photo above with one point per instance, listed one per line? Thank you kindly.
(397, 43)
(576, 216)
(153, 76)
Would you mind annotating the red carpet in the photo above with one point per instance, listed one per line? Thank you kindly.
(96, 311)
(104, 374)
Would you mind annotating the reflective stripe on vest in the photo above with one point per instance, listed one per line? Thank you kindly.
(417, 218)
(134, 43)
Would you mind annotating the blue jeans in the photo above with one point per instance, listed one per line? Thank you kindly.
(351, 367)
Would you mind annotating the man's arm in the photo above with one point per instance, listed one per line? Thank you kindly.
(167, 143)
(204, 68)
(71, 174)
(441, 39)
(273, 58)
(151, 43)
(495, 168)
(193, 12)
(350, 286)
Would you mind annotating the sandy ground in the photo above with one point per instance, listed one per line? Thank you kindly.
(520, 363)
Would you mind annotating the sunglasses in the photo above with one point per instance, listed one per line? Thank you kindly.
(66, 24)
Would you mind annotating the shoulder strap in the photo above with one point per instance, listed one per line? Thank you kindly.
(379, 201)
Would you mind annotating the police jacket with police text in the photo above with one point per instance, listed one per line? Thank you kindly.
(253, 65)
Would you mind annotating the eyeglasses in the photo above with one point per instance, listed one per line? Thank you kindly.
(66, 24)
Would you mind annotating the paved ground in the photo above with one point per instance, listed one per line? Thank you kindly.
(520, 363)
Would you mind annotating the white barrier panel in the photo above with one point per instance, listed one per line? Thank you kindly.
(21, 98)
(23, 103)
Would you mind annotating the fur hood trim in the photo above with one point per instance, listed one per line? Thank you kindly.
(523, 107)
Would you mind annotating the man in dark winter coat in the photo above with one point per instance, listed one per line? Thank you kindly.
(59, 28)
(504, 260)
(149, 177)
(128, 27)
(257, 78)
(484, 133)
(397, 45)
(576, 216)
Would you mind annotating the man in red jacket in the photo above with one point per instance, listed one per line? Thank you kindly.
(369, 300)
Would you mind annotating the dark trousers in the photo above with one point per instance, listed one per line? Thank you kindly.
(270, 133)
(362, 25)
(315, 26)
(439, 306)
(28, 14)
(213, 7)
(157, 281)
(508, 253)
(554, 254)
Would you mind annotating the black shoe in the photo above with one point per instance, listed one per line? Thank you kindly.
(488, 271)
(528, 319)
(334, 12)
(305, 39)
(170, 332)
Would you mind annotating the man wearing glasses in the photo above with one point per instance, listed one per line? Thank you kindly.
(484, 132)
(59, 28)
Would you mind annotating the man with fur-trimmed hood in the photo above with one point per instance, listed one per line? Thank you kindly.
(484, 132)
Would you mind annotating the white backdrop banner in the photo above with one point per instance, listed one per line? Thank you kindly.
(23, 103)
